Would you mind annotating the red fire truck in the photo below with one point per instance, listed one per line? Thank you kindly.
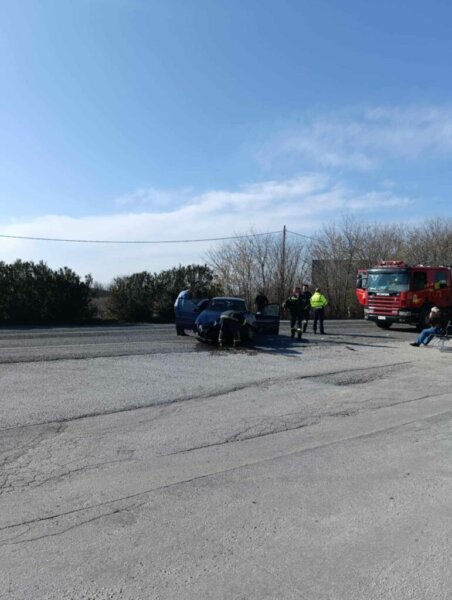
(394, 292)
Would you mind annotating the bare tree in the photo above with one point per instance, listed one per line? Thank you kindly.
(382, 242)
(431, 243)
(340, 249)
(254, 263)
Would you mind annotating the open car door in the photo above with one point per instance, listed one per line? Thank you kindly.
(188, 310)
(361, 286)
(267, 321)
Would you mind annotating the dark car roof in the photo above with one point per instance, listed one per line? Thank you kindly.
(222, 303)
(228, 298)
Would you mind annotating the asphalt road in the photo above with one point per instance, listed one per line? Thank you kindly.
(41, 344)
(140, 465)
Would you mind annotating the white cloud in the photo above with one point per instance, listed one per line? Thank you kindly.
(377, 200)
(153, 198)
(366, 140)
(302, 203)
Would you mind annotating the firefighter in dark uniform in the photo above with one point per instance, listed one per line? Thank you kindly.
(296, 306)
(231, 323)
(261, 302)
(306, 295)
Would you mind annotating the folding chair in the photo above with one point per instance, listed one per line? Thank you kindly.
(440, 339)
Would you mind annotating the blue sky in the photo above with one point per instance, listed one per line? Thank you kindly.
(135, 119)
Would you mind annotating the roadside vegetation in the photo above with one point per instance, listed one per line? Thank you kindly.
(32, 293)
(150, 296)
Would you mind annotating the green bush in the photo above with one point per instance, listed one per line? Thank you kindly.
(34, 293)
(149, 297)
(131, 298)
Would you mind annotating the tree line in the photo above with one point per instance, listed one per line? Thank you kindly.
(32, 293)
(149, 296)
(274, 264)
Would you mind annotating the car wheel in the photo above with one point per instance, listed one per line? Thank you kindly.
(383, 325)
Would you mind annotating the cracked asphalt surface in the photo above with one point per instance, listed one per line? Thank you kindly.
(138, 465)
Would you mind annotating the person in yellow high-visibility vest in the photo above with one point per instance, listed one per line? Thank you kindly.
(318, 303)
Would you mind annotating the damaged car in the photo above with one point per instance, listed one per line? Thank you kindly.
(207, 313)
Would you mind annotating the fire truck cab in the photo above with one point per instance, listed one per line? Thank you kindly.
(394, 292)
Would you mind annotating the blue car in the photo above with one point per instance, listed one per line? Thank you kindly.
(187, 310)
(204, 317)
(207, 324)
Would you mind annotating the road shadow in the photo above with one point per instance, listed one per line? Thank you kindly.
(274, 344)
(362, 335)
(282, 344)
(334, 342)
(286, 346)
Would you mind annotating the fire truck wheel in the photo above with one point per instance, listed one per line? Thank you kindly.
(383, 325)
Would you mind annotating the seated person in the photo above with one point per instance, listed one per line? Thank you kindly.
(427, 334)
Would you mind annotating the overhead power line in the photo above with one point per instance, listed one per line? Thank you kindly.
(189, 241)
(80, 241)
(309, 237)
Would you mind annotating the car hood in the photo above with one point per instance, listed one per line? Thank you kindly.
(208, 316)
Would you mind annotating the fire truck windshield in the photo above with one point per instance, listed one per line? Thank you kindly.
(388, 282)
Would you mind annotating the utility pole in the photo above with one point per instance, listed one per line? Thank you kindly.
(283, 265)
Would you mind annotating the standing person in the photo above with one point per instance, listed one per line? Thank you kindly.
(306, 295)
(183, 297)
(231, 323)
(427, 334)
(260, 302)
(295, 305)
(318, 303)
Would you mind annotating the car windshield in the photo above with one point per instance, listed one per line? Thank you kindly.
(388, 282)
(222, 304)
